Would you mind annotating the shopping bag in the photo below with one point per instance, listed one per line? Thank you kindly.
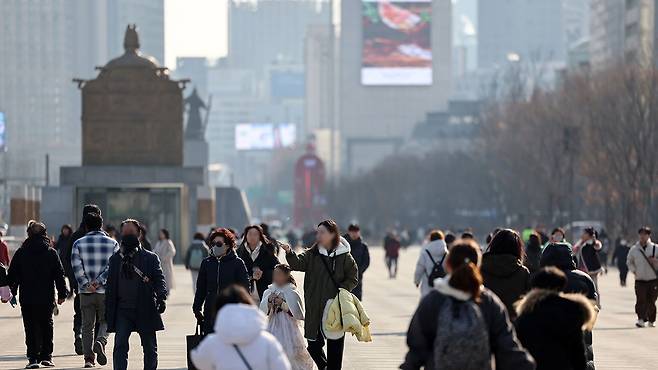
(192, 342)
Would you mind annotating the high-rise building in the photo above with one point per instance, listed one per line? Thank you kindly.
(43, 45)
(606, 45)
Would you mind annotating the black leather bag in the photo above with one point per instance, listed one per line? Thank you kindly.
(192, 342)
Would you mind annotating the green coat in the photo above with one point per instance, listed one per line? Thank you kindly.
(318, 287)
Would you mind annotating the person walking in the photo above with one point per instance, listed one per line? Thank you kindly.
(135, 297)
(460, 324)
(533, 252)
(64, 239)
(550, 324)
(220, 270)
(328, 266)
(195, 255)
(285, 311)
(643, 263)
(73, 282)
(4, 251)
(166, 251)
(430, 265)
(144, 240)
(240, 340)
(259, 256)
(90, 259)
(34, 273)
(619, 257)
(392, 249)
(586, 250)
(502, 268)
(360, 253)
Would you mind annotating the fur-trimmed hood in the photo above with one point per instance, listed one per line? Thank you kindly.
(536, 296)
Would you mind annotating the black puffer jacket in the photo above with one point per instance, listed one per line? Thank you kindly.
(550, 326)
(505, 276)
(35, 271)
(216, 275)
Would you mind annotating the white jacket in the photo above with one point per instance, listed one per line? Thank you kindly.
(294, 303)
(244, 326)
(638, 265)
(424, 266)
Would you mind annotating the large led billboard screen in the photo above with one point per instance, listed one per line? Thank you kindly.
(264, 136)
(397, 48)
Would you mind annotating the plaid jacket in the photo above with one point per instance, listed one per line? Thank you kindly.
(90, 259)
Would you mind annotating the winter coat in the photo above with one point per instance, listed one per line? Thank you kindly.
(550, 326)
(621, 254)
(588, 257)
(503, 343)
(66, 254)
(266, 261)
(438, 249)
(245, 327)
(148, 317)
(504, 275)
(293, 301)
(532, 258)
(561, 256)
(392, 246)
(216, 275)
(361, 255)
(639, 266)
(35, 271)
(196, 244)
(345, 314)
(4, 253)
(318, 286)
(166, 251)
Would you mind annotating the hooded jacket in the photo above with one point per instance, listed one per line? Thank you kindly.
(35, 271)
(346, 314)
(243, 326)
(561, 256)
(318, 285)
(424, 266)
(550, 326)
(506, 276)
(505, 348)
(638, 265)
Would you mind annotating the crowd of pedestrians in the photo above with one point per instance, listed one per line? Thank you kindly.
(520, 301)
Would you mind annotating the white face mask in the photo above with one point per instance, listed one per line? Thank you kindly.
(218, 251)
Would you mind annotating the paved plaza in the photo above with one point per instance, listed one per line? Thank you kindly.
(390, 303)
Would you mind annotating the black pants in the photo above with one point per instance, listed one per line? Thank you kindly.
(623, 273)
(334, 358)
(38, 323)
(77, 318)
(126, 324)
(646, 294)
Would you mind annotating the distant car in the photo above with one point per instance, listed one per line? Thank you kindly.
(575, 229)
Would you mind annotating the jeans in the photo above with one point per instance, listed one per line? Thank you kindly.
(334, 358)
(646, 293)
(126, 323)
(92, 306)
(38, 323)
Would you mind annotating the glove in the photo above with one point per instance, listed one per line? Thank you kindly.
(161, 306)
(199, 316)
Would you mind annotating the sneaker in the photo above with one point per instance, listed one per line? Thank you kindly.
(32, 364)
(651, 324)
(47, 363)
(78, 346)
(99, 350)
(640, 324)
(89, 365)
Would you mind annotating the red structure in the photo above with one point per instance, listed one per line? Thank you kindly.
(310, 200)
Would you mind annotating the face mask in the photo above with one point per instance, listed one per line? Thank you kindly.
(218, 250)
(129, 243)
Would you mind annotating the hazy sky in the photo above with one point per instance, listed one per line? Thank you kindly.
(194, 28)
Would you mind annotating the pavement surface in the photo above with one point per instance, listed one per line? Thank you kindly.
(390, 303)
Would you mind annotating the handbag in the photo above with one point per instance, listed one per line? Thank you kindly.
(244, 360)
(655, 271)
(192, 342)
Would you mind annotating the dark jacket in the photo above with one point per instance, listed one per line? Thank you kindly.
(35, 271)
(266, 261)
(360, 253)
(504, 345)
(621, 254)
(196, 244)
(318, 286)
(532, 258)
(148, 318)
(504, 275)
(561, 256)
(216, 275)
(392, 246)
(550, 326)
(66, 253)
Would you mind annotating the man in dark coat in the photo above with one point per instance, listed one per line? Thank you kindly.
(73, 282)
(360, 253)
(135, 297)
(34, 272)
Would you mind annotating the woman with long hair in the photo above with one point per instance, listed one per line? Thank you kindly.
(460, 324)
(503, 270)
(328, 266)
(166, 251)
(259, 255)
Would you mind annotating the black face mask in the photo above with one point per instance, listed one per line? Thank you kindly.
(129, 243)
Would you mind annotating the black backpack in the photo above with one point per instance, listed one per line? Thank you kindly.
(437, 269)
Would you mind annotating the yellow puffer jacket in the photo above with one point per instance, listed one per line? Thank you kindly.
(355, 320)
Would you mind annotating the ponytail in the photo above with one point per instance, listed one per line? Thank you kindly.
(464, 258)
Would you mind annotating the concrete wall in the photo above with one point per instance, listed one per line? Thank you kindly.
(58, 207)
